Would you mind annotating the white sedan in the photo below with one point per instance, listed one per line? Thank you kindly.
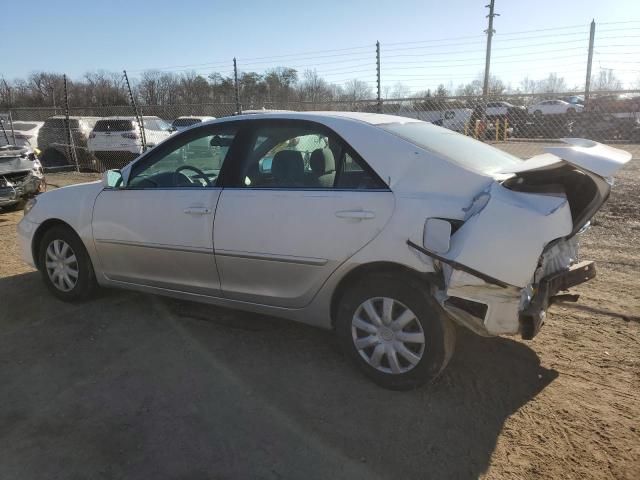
(386, 229)
(554, 107)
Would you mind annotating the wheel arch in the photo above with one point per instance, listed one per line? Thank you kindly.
(366, 269)
(40, 232)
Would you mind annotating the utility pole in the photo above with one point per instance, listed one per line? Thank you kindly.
(378, 76)
(587, 83)
(489, 31)
(237, 89)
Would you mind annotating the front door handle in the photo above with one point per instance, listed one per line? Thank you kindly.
(197, 211)
(356, 214)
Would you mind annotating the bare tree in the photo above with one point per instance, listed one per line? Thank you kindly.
(192, 88)
(605, 80)
(552, 84)
(400, 90)
(48, 87)
(528, 85)
(355, 90)
(103, 88)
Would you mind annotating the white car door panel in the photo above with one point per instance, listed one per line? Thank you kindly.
(277, 247)
(160, 238)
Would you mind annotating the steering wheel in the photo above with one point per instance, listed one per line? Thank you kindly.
(200, 173)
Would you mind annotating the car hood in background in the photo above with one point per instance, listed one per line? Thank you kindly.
(595, 157)
(12, 164)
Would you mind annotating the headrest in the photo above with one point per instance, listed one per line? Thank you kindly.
(288, 165)
(322, 161)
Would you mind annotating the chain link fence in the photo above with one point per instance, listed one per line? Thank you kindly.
(100, 138)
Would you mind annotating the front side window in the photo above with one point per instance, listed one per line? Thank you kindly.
(302, 156)
(195, 163)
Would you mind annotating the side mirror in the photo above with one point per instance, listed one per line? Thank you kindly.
(437, 235)
(112, 179)
(218, 141)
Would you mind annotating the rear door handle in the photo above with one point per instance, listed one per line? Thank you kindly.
(356, 214)
(197, 211)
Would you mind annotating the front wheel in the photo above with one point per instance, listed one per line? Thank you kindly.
(394, 331)
(65, 265)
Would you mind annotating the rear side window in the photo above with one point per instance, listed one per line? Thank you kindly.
(21, 125)
(113, 126)
(300, 155)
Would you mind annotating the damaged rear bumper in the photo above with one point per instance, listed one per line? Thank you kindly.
(490, 307)
(532, 317)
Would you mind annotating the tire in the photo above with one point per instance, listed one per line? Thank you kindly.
(85, 282)
(54, 158)
(537, 113)
(429, 357)
(14, 207)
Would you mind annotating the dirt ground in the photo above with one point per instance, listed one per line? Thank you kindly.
(136, 386)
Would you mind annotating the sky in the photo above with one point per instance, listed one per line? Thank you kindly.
(423, 43)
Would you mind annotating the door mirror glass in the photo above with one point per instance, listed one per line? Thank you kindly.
(112, 179)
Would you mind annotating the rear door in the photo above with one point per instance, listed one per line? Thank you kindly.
(299, 203)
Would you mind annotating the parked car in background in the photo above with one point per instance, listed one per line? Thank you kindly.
(456, 119)
(115, 141)
(53, 141)
(21, 175)
(574, 99)
(554, 107)
(392, 232)
(26, 133)
(183, 122)
(497, 109)
(622, 105)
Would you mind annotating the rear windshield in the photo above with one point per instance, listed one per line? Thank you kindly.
(113, 126)
(185, 122)
(465, 151)
(20, 125)
(155, 124)
(61, 123)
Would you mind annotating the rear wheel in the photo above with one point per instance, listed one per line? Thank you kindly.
(65, 265)
(394, 331)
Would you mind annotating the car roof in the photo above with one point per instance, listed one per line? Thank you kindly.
(194, 116)
(124, 117)
(73, 117)
(361, 117)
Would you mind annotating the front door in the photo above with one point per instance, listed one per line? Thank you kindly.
(157, 230)
(301, 204)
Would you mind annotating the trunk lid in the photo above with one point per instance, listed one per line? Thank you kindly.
(594, 157)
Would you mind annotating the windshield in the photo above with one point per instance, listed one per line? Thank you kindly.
(465, 151)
